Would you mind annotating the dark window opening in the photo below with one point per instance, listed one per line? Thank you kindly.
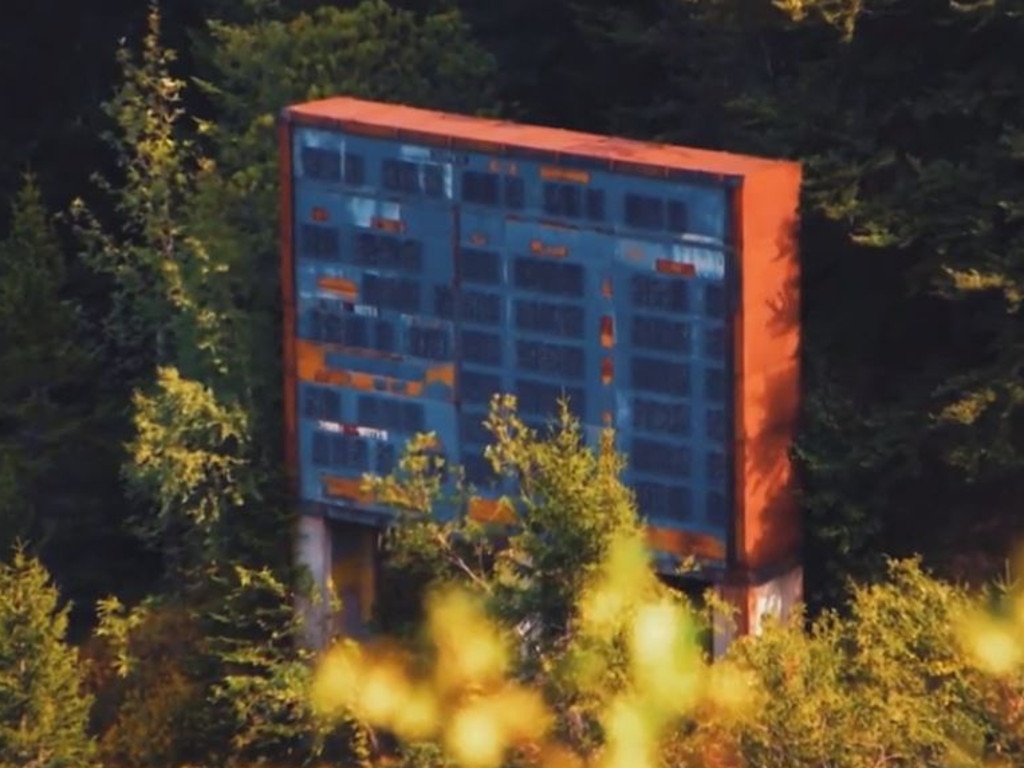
(654, 416)
(388, 253)
(396, 415)
(677, 219)
(666, 335)
(664, 501)
(472, 429)
(665, 294)
(322, 404)
(714, 300)
(714, 384)
(392, 293)
(386, 458)
(429, 343)
(478, 387)
(321, 164)
(555, 319)
(515, 192)
(478, 266)
(654, 375)
(660, 458)
(319, 241)
(355, 170)
(483, 308)
(433, 180)
(595, 204)
(552, 277)
(400, 176)
(645, 212)
(562, 200)
(551, 359)
(480, 187)
(481, 348)
(541, 399)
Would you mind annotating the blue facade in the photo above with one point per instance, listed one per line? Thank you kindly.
(436, 278)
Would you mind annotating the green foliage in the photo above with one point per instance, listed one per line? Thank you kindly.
(890, 683)
(569, 518)
(43, 711)
(188, 459)
(42, 359)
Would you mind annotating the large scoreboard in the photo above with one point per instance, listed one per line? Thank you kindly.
(432, 260)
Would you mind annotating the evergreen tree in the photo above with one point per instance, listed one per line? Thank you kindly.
(43, 712)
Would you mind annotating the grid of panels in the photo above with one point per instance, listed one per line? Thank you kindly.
(605, 289)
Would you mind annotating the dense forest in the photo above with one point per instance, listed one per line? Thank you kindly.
(146, 587)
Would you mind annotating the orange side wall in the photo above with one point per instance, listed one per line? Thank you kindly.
(768, 371)
(288, 305)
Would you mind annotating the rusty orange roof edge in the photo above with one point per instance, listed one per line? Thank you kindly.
(358, 115)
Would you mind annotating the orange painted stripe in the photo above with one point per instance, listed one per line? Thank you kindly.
(339, 285)
(347, 488)
(683, 543)
(490, 511)
(554, 173)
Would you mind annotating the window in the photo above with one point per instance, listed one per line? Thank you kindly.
(654, 416)
(349, 452)
(714, 384)
(429, 343)
(715, 419)
(321, 449)
(385, 458)
(551, 359)
(677, 219)
(384, 336)
(395, 293)
(322, 404)
(661, 293)
(478, 387)
(384, 252)
(479, 187)
(645, 212)
(321, 164)
(477, 469)
(355, 170)
(515, 193)
(716, 509)
(482, 348)
(654, 375)
(553, 277)
(667, 335)
(319, 241)
(554, 319)
(400, 176)
(716, 468)
(345, 329)
(472, 430)
(433, 180)
(660, 458)
(562, 200)
(385, 413)
(444, 302)
(658, 500)
(714, 342)
(484, 308)
(595, 204)
(478, 266)
(541, 399)
(714, 300)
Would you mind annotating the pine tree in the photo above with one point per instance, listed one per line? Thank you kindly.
(41, 357)
(43, 712)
